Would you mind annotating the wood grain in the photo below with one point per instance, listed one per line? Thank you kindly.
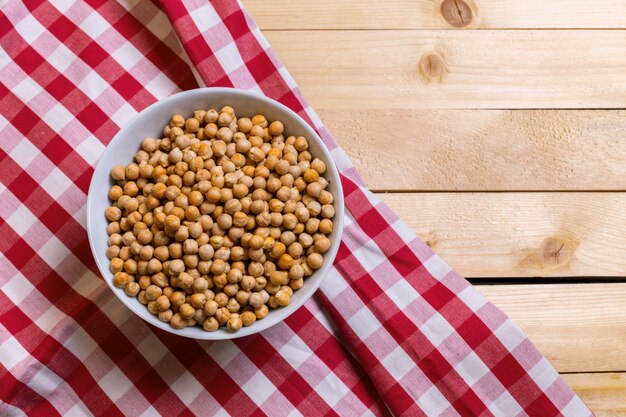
(578, 327)
(426, 14)
(603, 393)
(520, 234)
(479, 69)
(484, 150)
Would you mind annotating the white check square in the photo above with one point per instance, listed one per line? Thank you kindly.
(12, 353)
(437, 329)
(90, 149)
(49, 319)
(471, 369)
(259, 388)
(398, 363)
(331, 389)
(187, 388)
(433, 401)
(505, 406)
(93, 85)
(30, 28)
(21, 220)
(24, 153)
(402, 294)
(127, 55)
(510, 335)
(17, 288)
(27, 89)
(94, 25)
(115, 384)
(295, 352)
(80, 344)
(61, 58)
(205, 17)
(363, 323)
(56, 183)
(53, 252)
(229, 57)
(44, 382)
(543, 374)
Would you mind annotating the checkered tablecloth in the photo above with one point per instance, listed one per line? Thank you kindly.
(393, 331)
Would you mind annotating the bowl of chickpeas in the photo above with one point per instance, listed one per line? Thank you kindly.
(215, 213)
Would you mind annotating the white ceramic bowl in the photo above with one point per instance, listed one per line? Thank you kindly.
(149, 123)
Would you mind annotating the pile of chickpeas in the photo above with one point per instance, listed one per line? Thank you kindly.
(218, 221)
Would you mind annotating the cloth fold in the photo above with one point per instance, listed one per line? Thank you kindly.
(393, 330)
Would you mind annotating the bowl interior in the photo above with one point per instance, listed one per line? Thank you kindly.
(149, 123)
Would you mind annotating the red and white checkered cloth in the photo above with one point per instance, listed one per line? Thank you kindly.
(393, 330)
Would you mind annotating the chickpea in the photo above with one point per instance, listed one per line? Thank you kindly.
(327, 211)
(312, 225)
(322, 245)
(326, 197)
(315, 260)
(118, 173)
(113, 213)
(234, 324)
(222, 315)
(177, 321)
(116, 265)
(113, 251)
(162, 303)
(210, 324)
(301, 144)
(190, 246)
(326, 226)
(285, 261)
(198, 300)
(311, 175)
(247, 318)
(295, 250)
(290, 220)
(261, 311)
(132, 289)
(192, 125)
(283, 298)
(120, 279)
(314, 189)
(186, 311)
(276, 128)
(166, 316)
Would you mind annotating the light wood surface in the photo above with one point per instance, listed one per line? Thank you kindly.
(504, 148)
(425, 14)
(520, 234)
(484, 150)
(578, 327)
(479, 69)
(603, 393)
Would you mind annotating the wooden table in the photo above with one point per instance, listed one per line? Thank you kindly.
(495, 129)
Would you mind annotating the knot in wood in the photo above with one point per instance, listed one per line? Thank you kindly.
(456, 12)
(557, 250)
(431, 67)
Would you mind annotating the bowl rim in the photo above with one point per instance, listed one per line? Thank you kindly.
(338, 220)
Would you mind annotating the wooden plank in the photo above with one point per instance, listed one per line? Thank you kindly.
(578, 327)
(457, 69)
(520, 234)
(603, 393)
(484, 150)
(427, 14)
